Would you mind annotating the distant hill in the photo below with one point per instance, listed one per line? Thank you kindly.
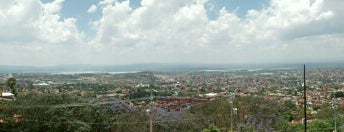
(159, 67)
(99, 68)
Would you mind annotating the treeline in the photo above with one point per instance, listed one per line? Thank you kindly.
(67, 112)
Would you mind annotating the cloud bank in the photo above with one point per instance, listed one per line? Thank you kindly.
(176, 31)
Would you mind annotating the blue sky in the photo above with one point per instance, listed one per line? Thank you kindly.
(78, 9)
(53, 32)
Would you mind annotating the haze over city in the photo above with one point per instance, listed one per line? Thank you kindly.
(115, 32)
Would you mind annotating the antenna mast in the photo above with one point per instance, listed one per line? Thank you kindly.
(304, 97)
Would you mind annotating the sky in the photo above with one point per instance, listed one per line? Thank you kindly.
(116, 32)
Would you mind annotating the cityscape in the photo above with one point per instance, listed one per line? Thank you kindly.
(171, 65)
(254, 99)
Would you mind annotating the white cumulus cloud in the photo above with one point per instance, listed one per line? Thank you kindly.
(92, 9)
(174, 31)
(33, 33)
(181, 31)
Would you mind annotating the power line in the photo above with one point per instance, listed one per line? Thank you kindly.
(114, 123)
(67, 105)
(12, 129)
(77, 104)
(130, 122)
(75, 122)
(56, 106)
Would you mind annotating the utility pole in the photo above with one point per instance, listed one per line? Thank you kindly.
(231, 102)
(304, 97)
(149, 111)
(231, 115)
(334, 106)
(150, 114)
(150, 123)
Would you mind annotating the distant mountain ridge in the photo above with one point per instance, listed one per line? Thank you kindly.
(156, 67)
(97, 68)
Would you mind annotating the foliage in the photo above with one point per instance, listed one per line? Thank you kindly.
(211, 128)
(337, 94)
(56, 112)
(287, 116)
(50, 112)
(320, 126)
(11, 82)
(289, 104)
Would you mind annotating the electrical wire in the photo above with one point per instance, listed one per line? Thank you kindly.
(70, 105)
(57, 106)
(116, 122)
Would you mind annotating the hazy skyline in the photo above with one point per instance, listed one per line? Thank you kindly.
(115, 32)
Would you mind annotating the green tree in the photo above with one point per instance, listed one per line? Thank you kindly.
(11, 82)
(338, 94)
(287, 116)
(289, 104)
(320, 126)
(50, 112)
(211, 128)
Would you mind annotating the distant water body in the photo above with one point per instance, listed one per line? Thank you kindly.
(250, 70)
(94, 72)
(218, 70)
(121, 69)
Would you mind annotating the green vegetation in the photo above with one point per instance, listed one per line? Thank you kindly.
(50, 112)
(337, 94)
(11, 82)
(211, 128)
(67, 112)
